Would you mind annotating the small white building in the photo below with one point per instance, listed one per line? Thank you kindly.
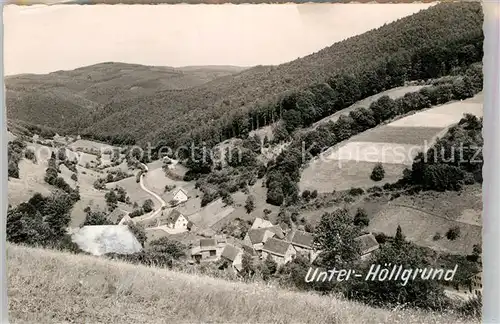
(177, 221)
(180, 196)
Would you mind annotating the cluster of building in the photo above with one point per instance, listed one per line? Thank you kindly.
(265, 240)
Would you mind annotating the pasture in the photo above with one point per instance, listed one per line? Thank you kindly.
(349, 164)
(421, 228)
(31, 181)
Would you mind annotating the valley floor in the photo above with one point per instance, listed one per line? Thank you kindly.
(49, 286)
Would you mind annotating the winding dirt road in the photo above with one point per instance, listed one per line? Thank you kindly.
(157, 197)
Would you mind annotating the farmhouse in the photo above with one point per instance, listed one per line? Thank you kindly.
(176, 220)
(367, 244)
(102, 239)
(280, 251)
(476, 283)
(302, 242)
(233, 256)
(180, 196)
(258, 236)
(261, 223)
(206, 251)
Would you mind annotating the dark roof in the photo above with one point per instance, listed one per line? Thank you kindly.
(276, 229)
(256, 235)
(302, 239)
(248, 249)
(230, 252)
(367, 243)
(275, 246)
(208, 244)
(173, 216)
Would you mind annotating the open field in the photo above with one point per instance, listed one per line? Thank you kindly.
(326, 176)
(392, 93)
(420, 228)
(31, 180)
(394, 144)
(156, 180)
(465, 206)
(403, 135)
(134, 191)
(117, 292)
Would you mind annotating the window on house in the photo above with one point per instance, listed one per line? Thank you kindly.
(212, 253)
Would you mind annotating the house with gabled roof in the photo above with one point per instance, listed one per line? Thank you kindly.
(233, 256)
(302, 242)
(256, 237)
(207, 250)
(368, 244)
(176, 220)
(261, 223)
(280, 251)
(180, 196)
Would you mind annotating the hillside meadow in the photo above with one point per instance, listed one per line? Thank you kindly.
(51, 286)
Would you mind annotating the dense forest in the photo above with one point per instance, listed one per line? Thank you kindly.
(428, 44)
(425, 45)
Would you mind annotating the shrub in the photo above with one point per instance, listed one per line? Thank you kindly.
(437, 236)
(148, 205)
(361, 218)
(250, 204)
(74, 177)
(453, 233)
(378, 172)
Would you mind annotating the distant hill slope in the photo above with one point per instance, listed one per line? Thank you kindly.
(70, 287)
(56, 98)
(207, 110)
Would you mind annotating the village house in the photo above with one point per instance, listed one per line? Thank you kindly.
(176, 220)
(233, 256)
(302, 242)
(280, 251)
(258, 236)
(476, 284)
(205, 251)
(179, 197)
(367, 243)
(261, 223)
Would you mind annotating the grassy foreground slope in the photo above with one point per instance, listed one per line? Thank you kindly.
(50, 286)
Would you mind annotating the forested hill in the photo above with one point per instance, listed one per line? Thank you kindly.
(427, 44)
(56, 98)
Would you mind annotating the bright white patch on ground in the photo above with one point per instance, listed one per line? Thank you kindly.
(441, 116)
(376, 152)
(102, 239)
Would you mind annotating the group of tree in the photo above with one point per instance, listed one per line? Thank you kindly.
(15, 152)
(455, 160)
(42, 221)
(52, 176)
(284, 174)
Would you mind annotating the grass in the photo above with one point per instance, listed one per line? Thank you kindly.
(420, 227)
(50, 286)
(326, 176)
(465, 206)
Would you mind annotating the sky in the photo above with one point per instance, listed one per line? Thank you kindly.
(43, 39)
